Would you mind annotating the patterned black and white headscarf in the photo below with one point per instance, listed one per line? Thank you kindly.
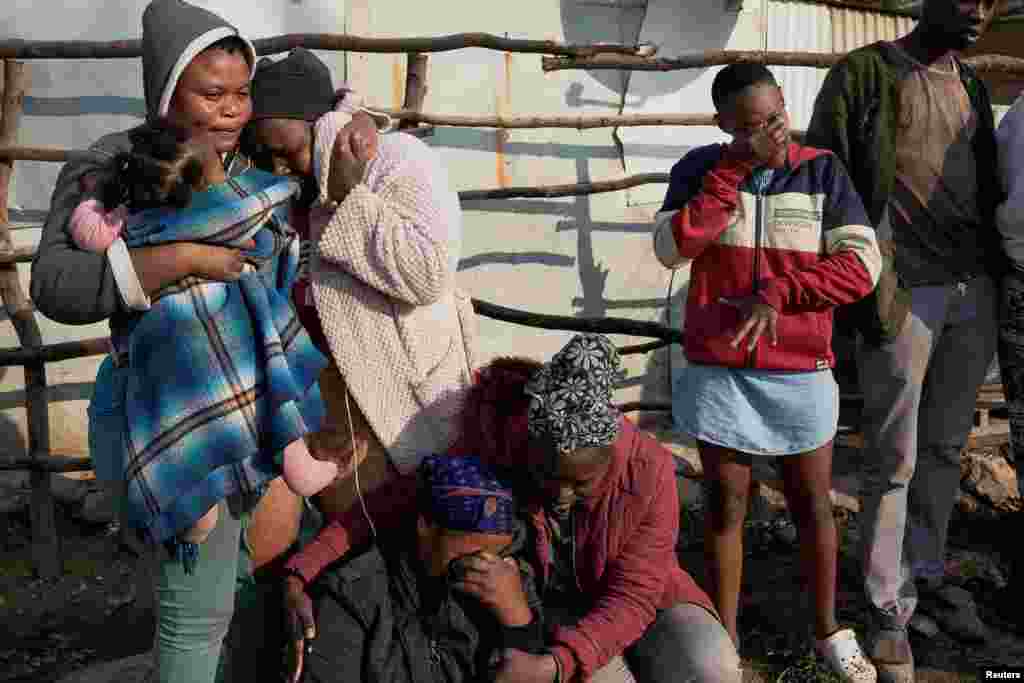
(571, 396)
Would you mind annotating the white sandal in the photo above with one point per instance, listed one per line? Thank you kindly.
(843, 655)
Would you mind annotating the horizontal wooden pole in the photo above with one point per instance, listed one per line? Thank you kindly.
(52, 353)
(697, 60)
(645, 406)
(640, 328)
(26, 254)
(18, 255)
(635, 328)
(984, 63)
(130, 49)
(643, 348)
(583, 122)
(20, 153)
(47, 463)
(567, 190)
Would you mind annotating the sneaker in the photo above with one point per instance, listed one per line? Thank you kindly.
(842, 654)
(891, 653)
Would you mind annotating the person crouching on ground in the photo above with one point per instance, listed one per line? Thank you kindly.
(441, 599)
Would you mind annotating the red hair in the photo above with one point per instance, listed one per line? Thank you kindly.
(495, 412)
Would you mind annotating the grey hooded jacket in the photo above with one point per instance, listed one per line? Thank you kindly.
(77, 287)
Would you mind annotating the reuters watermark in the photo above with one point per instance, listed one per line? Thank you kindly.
(1000, 673)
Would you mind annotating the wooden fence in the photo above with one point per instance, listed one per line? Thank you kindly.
(33, 354)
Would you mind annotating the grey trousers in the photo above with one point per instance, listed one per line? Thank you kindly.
(1011, 357)
(685, 644)
(919, 395)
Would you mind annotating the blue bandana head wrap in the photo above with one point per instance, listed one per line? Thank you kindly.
(463, 494)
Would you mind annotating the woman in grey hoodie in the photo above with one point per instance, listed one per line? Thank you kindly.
(196, 72)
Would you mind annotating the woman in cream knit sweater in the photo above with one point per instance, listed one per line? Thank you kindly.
(384, 236)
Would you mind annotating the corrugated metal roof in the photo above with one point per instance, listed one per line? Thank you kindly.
(1014, 8)
(817, 27)
(804, 27)
(865, 5)
(852, 28)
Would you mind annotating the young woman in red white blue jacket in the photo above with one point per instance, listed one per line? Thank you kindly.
(776, 237)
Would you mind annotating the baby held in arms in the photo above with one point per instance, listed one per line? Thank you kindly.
(169, 190)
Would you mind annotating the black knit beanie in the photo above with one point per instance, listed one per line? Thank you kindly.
(296, 87)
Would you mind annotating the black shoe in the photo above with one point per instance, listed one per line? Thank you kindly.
(1009, 605)
(955, 612)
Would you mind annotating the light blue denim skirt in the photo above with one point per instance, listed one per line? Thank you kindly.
(759, 412)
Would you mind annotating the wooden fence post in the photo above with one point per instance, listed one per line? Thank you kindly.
(415, 86)
(45, 541)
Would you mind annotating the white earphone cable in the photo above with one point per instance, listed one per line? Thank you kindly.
(359, 492)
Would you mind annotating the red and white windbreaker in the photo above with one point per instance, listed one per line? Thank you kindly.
(804, 245)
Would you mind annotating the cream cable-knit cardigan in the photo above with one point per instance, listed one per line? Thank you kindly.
(383, 281)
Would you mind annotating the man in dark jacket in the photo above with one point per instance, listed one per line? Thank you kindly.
(914, 125)
(439, 603)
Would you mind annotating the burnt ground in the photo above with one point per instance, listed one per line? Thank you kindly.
(100, 609)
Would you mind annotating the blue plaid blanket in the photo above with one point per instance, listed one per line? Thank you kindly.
(222, 376)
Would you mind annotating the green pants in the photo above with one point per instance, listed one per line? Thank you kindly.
(193, 611)
(221, 624)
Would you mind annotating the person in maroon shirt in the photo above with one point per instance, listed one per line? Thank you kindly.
(604, 506)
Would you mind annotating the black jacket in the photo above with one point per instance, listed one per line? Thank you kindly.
(855, 116)
(379, 619)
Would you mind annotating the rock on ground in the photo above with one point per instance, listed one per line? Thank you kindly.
(990, 480)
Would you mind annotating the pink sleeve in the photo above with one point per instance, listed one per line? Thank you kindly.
(94, 229)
